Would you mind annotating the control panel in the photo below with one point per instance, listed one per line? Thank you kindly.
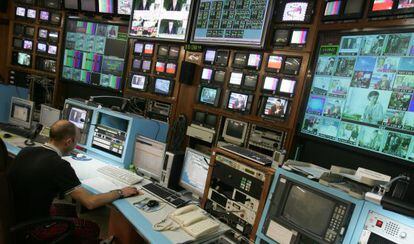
(158, 110)
(335, 227)
(111, 140)
(381, 229)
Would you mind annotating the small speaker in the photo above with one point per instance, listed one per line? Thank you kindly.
(3, 6)
(187, 72)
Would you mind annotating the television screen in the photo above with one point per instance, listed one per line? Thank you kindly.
(29, 31)
(209, 56)
(162, 51)
(240, 60)
(148, 49)
(146, 65)
(88, 5)
(94, 53)
(292, 66)
(52, 50)
(41, 47)
(281, 37)
(53, 36)
(254, 61)
(55, 18)
(106, 6)
(333, 8)
(250, 81)
(71, 4)
(206, 74)
(20, 12)
(270, 84)
(42, 34)
(295, 11)
(287, 86)
(382, 5)
(365, 100)
(50, 3)
(299, 37)
(18, 29)
(44, 15)
(27, 44)
(174, 52)
(160, 67)
(17, 43)
(404, 4)
(124, 7)
(138, 82)
(354, 7)
(229, 22)
(171, 68)
(23, 59)
(236, 78)
(222, 57)
(199, 117)
(275, 107)
(45, 64)
(238, 101)
(31, 13)
(136, 64)
(208, 95)
(219, 76)
(138, 48)
(168, 19)
(162, 86)
(211, 120)
(274, 63)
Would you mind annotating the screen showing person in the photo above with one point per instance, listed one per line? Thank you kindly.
(148, 49)
(24, 59)
(124, 7)
(275, 107)
(281, 37)
(292, 66)
(78, 117)
(250, 81)
(295, 11)
(254, 61)
(240, 60)
(138, 82)
(219, 76)
(274, 63)
(382, 5)
(88, 5)
(170, 27)
(208, 95)
(162, 86)
(44, 15)
(206, 74)
(160, 67)
(138, 48)
(236, 78)
(20, 12)
(173, 5)
(270, 84)
(209, 56)
(41, 47)
(287, 86)
(43, 33)
(146, 65)
(106, 6)
(52, 50)
(162, 51)
(299, 37)
(332, 8)
(171, 68)
(403, 4)
(238, 101)
(31, 13)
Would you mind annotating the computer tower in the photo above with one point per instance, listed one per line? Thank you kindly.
(171, 170)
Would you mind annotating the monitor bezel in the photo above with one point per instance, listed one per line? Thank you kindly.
(150, 68)
(308, 15)
(88, 11)
(284, 71)
(281, 44)
(15, 54)
(403, 11)
(248, 104)
(240, 66)
(250, 88)
(19, 123)
(232, 139)
(158, 51)
(333, 17)
(204, 56)
(267, 69)
(295, 45)
(260, 63)
(170, 88)
(286, 94)
(29, 27)
(175, 71)
(147, 82)
(204, 81)
(227, 58)
(217, 98)
(230, 85)
(266, 91)
(48, 18)
(186, 186)
(359, 15)
(274, 117)
(44, 5)
(114, 12)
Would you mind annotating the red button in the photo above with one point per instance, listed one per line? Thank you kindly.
(379, 223)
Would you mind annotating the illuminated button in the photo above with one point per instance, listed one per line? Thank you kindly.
(379, 223)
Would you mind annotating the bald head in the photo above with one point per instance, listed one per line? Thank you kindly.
(62, 130)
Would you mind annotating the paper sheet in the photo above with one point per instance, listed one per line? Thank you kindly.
(279, 233)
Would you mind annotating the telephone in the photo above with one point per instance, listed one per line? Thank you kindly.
(194, 221)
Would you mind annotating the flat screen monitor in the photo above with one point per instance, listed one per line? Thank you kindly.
(274, 63)
(365, 101)
(149, 157)
(236, 78)
(292, 66)
(71, 4)
(106, 6)
(165, 20)
(230, 23)
(275, 107)
(29, 31)
(21, 112)
(297, 11)
(41, 47)
(270, 84)
(281, 37)
(124, 7)
(20, 12)
(209, 56)
(287, 86)
(240, 60)
(194, 173)
(171, 69)
(209, 95)
(254, 61)
(48, 115)
(222, 58)
(299, 37)
(219, 76)
(99, 59)
(163, 86)
(206, 74)
(163, 51)
(88, 5)
(160, 67)
(43, 33)
(44, 15)
(234, 131)
(78, 117)
(239, 102)
(31, 13)
(146, 65)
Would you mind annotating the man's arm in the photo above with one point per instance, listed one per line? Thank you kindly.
(92, 201)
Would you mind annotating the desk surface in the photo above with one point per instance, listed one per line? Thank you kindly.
(141, 220)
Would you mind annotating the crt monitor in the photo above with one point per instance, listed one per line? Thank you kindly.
(209, 95)
(48, 115)
(194, 173)
(80, 116)
(149, 157)
(234, 131)
(110, 134)
(124, 7)
(21, 112)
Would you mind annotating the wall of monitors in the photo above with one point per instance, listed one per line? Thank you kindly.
(94, 53)
(161, 19)
(362, 94)
(230, 22)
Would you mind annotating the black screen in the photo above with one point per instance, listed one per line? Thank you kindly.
(235, 129)
(211, 120)
(353, 7)
(199, 117)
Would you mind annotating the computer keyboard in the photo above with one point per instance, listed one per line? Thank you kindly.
(249, 154)
(15, 130)
(119, 174)
(170, 196)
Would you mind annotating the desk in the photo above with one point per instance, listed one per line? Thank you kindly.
(123, 210)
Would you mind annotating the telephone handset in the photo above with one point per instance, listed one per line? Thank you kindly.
(194, 221)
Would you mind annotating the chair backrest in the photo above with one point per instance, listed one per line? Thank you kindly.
(3, 156)
(6, 209)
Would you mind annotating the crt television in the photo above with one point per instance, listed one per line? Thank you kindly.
(235, 131)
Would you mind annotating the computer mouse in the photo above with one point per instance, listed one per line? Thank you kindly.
(152, 203)
(7, 135)
(80, 155)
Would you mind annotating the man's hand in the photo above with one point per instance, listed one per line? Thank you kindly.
(130, 191)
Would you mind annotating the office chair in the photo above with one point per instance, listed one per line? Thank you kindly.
(25, 232)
